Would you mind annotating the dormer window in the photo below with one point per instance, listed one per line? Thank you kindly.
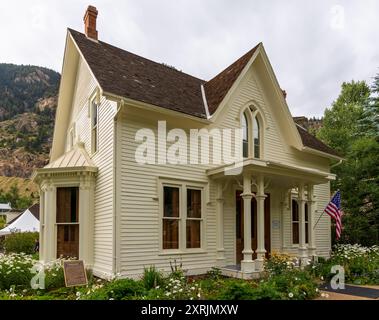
(251, 134)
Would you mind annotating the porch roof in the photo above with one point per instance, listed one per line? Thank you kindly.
(271, 168)
(76, 157)
(75, 160)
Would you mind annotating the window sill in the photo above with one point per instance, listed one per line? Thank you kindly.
(182, 252)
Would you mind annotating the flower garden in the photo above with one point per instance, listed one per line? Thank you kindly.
(283, 280)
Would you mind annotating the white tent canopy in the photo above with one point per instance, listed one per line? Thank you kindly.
(26, 222)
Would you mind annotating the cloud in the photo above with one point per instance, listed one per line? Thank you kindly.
(313, 46)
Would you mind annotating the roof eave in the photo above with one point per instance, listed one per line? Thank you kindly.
(321, 153)
(150, 107)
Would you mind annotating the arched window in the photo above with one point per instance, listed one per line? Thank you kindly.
(256, 138)
(251, 133)
(245, 136)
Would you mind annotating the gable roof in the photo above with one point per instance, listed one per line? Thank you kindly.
(128, 75)
(217, 88)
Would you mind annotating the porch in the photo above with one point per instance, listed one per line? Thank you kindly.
(257, 184)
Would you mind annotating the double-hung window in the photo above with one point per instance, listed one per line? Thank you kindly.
(182, 217)
(193, 223)
(296, 222)
(171, 217)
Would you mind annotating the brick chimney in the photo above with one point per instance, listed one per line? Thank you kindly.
(90, 22)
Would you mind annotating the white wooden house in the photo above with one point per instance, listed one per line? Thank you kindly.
(100, 204)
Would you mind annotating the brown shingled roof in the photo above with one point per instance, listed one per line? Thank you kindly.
(217, 88)
(311, 141)
(128, 75)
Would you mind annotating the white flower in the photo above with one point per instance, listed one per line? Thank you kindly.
(290, 295)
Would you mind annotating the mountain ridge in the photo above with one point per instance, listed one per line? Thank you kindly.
(28, 100)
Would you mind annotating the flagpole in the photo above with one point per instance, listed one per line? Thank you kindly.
(324, 211)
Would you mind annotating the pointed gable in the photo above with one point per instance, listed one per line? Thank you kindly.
(217, 88)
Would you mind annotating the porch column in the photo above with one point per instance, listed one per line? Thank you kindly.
(302, 247)
(311, 221)
(247, 264)
(261, 251)
(86, 222)
(220, 225)
(49, 238)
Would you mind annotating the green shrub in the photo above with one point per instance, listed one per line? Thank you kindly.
(121, 289)
(237, 290)
(279, 263)
(266, 291)
(152, 278)
(54, 275)
(294, 284)
(176, 287)
(361, 264)
(215, 273)
(21, 242)
(15, 270)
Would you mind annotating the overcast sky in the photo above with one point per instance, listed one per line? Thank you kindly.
(313, 45)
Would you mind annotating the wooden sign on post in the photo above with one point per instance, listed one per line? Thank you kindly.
(74, 273)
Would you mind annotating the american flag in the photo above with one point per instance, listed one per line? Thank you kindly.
(333, 209)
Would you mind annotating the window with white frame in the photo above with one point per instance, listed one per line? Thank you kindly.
(94, 124)
(296, 222)
(182, 217)
(251, 133)
(171, 217)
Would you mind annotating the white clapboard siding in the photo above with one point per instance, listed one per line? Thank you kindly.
(103, 215)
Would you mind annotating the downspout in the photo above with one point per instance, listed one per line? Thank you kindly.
(115, 224)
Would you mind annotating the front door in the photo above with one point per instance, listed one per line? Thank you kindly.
(240, 226)
(68, 222)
